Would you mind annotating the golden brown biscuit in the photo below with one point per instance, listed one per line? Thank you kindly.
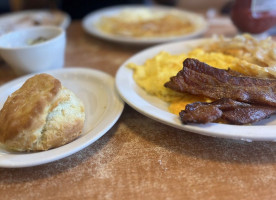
(42, 114)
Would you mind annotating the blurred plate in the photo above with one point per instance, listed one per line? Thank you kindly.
(91, 24)
(102, 104)
(157, 109)
(22, 19)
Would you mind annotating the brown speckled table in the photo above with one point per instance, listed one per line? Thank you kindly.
(140, 158)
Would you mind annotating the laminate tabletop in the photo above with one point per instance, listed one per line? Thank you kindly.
(139, 158)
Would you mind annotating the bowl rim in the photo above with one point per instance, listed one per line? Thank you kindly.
(61, 32)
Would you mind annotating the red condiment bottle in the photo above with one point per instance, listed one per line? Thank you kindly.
(254, 16)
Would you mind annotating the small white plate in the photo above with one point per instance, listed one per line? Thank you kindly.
(157, 109)
(90, 22)
(23, 19)
(103, 107)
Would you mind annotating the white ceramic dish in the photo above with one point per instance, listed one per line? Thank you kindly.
(158, 109)
(90, 25)
(24, 58)
(30, 18)
(102, 104)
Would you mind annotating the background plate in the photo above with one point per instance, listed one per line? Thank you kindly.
(102, 104)
(90, 21)
(157, 109)
(22, 19)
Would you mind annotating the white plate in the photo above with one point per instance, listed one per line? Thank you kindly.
(102, 104)
(90, 21)
(22, 19)
(158, 109)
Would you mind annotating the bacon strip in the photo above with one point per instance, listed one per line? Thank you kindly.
(199, 78)
(233, 112)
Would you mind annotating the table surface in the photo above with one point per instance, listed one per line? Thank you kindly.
(140, 158)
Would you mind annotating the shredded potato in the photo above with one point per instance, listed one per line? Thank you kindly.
(258, 56)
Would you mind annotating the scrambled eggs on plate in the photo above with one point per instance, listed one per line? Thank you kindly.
(155, 72)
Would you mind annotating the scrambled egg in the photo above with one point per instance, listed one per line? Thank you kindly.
(157, 71)
(243, 54)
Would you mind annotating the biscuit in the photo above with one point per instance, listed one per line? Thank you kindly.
(41, 115)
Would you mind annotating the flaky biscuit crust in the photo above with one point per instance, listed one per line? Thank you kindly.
(41, 115)
(24, 108)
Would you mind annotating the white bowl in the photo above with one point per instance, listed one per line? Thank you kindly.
(24, 58)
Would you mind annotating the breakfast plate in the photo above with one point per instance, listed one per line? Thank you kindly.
(157, 109)
(103, 107)
(92, 24)
(29, 18)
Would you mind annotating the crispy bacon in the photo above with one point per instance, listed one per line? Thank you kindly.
(239, 99)
(233, 112)
(201, 79)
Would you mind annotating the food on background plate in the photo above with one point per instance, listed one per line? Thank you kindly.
(41, 115)
(24, 19)
(156, 71)
(145, 23)
(45, 18)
